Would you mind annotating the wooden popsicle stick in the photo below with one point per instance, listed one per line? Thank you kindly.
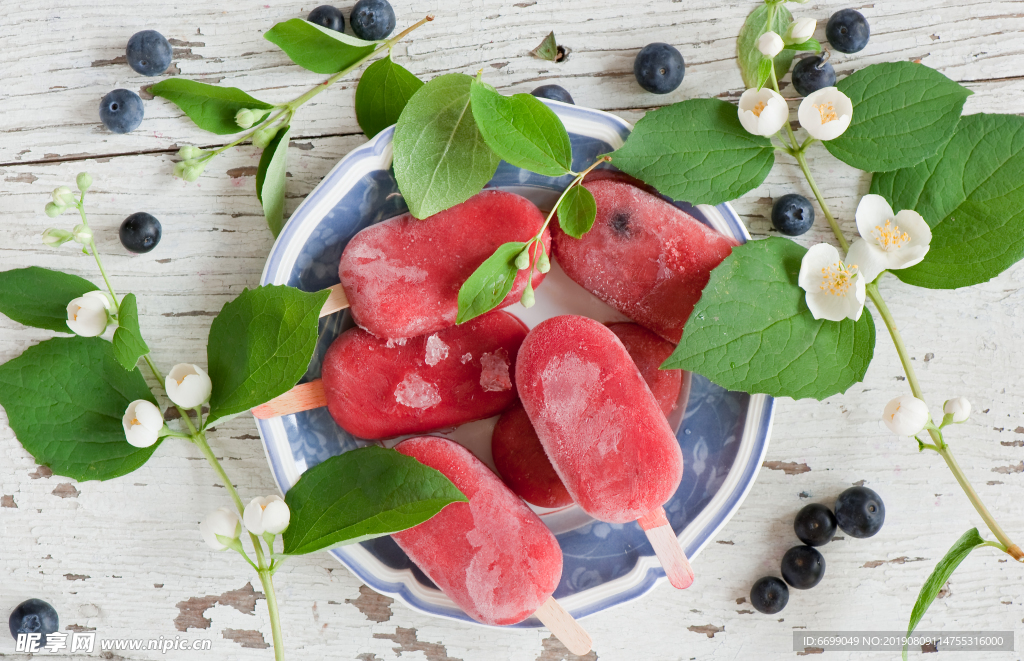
(666, 547)
(564, 626)
(336, 301)
(303, 397)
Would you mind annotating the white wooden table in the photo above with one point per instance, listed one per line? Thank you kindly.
(124, 558)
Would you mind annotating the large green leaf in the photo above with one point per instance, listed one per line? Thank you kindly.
(65, 398)
(384, 89)
(969, 541)
(441, 159)
(271, 179)
(362, 494)
(752, 331)
(902, 114)
(747, 54)
(260, 346)
(971, 193)
(39, 297)
(212, 108)
(522, 130)
(317, 48)
(696, 151)
(128, 343)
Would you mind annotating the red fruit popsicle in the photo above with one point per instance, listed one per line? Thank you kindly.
(517, 451)
(602, 429)
(378, 388)
(402, 276)
(644, 257)
(492, 555)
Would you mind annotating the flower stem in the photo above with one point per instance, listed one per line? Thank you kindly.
(802, 160)
(199, 438)
(267, 579)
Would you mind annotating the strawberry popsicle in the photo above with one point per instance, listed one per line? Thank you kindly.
(402, 276)
(517, 451)
(378, 388)
(644, 257)
(602, 429)
(492, 555)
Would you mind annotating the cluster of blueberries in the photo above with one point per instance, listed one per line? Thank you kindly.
(34, 616)
(859, 513)
(148, 53)
(371, 20)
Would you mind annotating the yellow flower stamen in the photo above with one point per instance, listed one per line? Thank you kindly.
(827, 112)
(759, 108)
(836, 279)
(889, 237)
(135, 421)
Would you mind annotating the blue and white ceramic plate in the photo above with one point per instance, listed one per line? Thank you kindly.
(723, 434)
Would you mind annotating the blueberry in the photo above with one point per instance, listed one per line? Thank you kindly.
(848, 31)
(121, 111)
(659, 68)
(328, 17)
(860, 512)
(34, 616)
(769, 595)
(372, 19)
(140, 232)
(815, 525)
(812, 74)
(553, 92)
(792, 214)
(149, 53)
(803, 567)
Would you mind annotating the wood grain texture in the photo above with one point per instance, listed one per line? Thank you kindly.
(125, 557)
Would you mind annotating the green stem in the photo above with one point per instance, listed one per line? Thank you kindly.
(199, 438)
(802, 160)
(267, 579)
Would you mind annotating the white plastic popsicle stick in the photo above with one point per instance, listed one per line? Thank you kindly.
(336, 301)
(564, 626)
(303, 397)
(666, 547)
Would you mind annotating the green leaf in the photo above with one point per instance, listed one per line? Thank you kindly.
(39, 297)
(577, 211)
(65, 398)
(271, 179)
(441, 159)
(384, 89)
(522, 130)
(260, 346)
(362, 494)
(490, 283)
(128, 343)
(548, 49)
(696, 151)
(752, 331)
(747, 54)
(212, 108)
(969, 541)
(317, 48)
(810, 44)
(902, 114)
(764, 71)
(972, 195)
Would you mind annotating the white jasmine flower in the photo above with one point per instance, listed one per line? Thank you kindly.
(800, 31)
(142, 423)
(220, 522)
(958, 407)
(906, 415)
(763, 112)
(89, 314)
(889, 241)
(825, 114)
(188, 385)
(270, 514)
(835, 290)
(770, 44)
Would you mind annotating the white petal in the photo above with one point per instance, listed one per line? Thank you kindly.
(101, 296)
(868, 258)
(906, 415)
(276, 517)
(810, 116)
(856, 302)
(818, 257)
(223, 522)
(904, 257)
(872, 211)
(773, 117)
(959, 408)
(188, 385)
(749, 121)
(770, 44)
(831, 130)
(148, 415)
(252, 517)
(800, 30)
(140, 437)
(826, 306)
(915, 225)
(87, 316)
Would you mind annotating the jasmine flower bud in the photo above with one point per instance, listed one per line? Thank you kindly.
(770, 44)
(192, 170)
(262, 137)
(188, 152)
(528, 298)
(906, 415)
(53, 210)
(246, 117)
(188, 385)
(266, 515)
(800, 31)
(82, 234)
(55, 238)
(142, 423)
(958, 407)
(88, 315)
(523, 259)
(63, 197)
(179, 169)
(83, 181)
(219, 526)
(543, 263)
